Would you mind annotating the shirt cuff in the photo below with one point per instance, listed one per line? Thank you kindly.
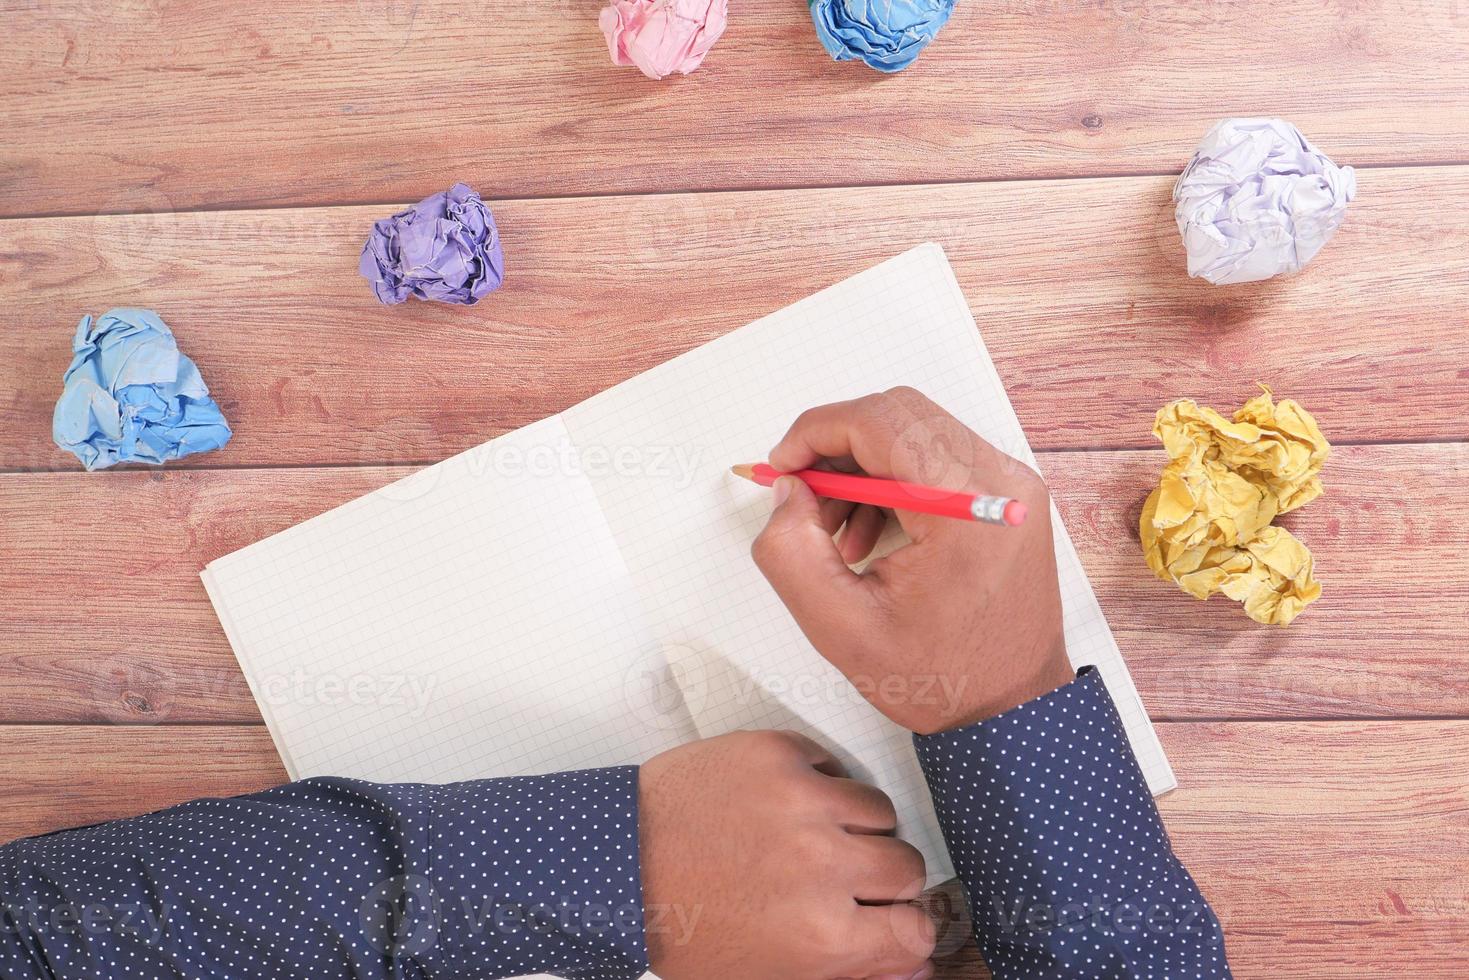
(1047, 815)
(537, 874)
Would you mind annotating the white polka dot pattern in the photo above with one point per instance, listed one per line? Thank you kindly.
(1068, 870)
(1063, 856)
(337, 878)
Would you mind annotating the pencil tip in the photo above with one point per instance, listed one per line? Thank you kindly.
(745, 471)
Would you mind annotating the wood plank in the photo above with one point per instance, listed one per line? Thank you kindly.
(161, 106)
(1078, 286)
(1327, 849)
(104, 618)
(69, 776)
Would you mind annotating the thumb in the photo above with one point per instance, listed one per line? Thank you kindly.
(802, 563)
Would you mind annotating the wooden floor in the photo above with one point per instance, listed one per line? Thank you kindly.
(221, 163)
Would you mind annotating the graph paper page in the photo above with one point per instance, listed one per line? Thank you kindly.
(472, 620)
(685, 531)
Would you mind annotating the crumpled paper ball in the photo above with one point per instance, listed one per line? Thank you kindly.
(445, 248)
(885, 34)
(131, 396)
(1257, 200)
(1207, 527)
(663, 36)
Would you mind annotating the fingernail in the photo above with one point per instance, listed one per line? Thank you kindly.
(782, 489)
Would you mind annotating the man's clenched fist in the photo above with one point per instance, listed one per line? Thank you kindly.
(762, 861)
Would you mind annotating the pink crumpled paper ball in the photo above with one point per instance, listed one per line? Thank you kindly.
(663, 36)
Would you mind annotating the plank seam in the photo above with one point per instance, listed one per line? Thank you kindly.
(242, 206)
(419, 463)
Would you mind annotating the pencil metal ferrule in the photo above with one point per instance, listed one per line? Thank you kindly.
(989, 510)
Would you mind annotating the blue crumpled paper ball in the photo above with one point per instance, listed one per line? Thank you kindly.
(886, 34)
(445, 248)
(130, 395)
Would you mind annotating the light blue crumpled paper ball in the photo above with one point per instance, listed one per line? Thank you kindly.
(131, 396)
(886, 34)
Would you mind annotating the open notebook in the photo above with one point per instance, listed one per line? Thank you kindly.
(579, 593)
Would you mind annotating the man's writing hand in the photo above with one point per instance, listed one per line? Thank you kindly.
(960, 624)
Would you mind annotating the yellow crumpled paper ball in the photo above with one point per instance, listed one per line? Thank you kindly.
(1207, 527)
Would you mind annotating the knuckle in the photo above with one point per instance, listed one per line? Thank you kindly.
(776, 749)
(906, 395)
(826, 935)
(914, 403)
(879, 805)
(910, 863)
(886, 810)
(760, 547)
(768, 547)
(764, 741)
(783, 742)
(877, 409)
(812, 849)
(806, 418)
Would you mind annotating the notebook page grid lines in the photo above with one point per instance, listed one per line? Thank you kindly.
(396, 639)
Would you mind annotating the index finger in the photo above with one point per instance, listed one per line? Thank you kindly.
(858, 429)
(900, 434)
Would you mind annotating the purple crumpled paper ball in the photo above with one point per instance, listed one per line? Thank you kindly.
(445, 248)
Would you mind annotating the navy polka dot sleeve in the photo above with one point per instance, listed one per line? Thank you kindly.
(336, 878)
(1062, 853)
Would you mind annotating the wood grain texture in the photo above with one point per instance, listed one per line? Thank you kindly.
(105, 618)
(162, 105)
(1078, 287)
(1386, 639)
(69, 776)
(1327, 849)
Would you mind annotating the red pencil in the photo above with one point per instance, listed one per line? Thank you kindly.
(894, 494)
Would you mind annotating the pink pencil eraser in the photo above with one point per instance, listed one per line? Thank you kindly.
(1015, 513)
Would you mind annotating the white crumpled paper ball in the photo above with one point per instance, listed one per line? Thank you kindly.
(1257, 200)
